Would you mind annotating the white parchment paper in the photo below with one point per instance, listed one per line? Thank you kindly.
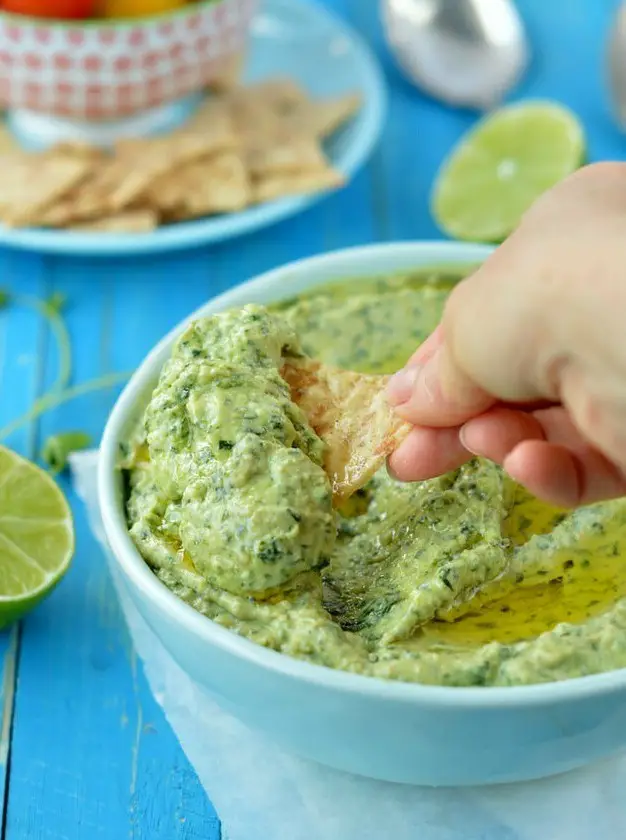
(263, 793)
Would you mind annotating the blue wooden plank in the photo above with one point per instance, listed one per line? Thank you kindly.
(23, 344)
(92, 754)
(418, 133)
(341, 220)
(9, 641)
(19, 375)
(567, 42)
(8, 650)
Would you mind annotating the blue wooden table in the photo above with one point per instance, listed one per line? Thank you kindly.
(85, 751)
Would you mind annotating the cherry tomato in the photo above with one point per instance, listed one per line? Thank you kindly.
(59, 9)
(137, 8)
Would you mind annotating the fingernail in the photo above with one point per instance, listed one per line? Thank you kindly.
(402, 384)
(463, 439)
(429, 380)
(390, 471)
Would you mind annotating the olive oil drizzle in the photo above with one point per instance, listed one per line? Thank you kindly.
(574, 585)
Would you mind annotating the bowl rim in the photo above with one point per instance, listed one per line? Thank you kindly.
(106, 23)
(372, 258)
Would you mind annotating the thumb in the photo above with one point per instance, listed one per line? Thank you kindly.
(432, 390)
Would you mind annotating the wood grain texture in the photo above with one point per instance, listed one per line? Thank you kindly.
(9, 643)
(91, 753)
(21, 339)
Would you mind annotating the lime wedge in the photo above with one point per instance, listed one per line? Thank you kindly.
(36, 535)
(502, 165)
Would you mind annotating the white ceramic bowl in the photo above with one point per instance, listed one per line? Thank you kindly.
(388, 730)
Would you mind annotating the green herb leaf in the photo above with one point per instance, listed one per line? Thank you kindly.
(52, 399)
(50, 309)
(57, 449)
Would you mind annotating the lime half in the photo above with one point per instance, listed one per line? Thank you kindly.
(36, 535)
(502, 165)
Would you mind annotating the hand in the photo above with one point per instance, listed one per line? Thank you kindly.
(528, 367)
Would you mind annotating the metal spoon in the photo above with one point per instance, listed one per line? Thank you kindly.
(465, 52)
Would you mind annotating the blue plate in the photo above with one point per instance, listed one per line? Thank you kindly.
(289, 38)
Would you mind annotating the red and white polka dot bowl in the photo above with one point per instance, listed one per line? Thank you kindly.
(108, 70)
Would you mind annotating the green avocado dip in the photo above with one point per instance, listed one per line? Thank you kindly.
(461, 580)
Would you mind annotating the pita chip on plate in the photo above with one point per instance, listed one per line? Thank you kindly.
(8, 143)
(140, 162)
(29, 185)
(350, 413)
(274, 186)
(217, 184)
(322, 117)
(140, 220)
(294, 154)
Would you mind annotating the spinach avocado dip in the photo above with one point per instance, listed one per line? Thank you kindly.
(464, 580)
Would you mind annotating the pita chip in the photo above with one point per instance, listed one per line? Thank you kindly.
(258, 111)
(214, 123)
(286, 155)
(218, 184)
(278, 94)
(130, 221)
(8, 143)
(322, 117)
(272, 187)
(79, 150)
(31, 183)
(140, 162)
(350, 413)
(88, 200)
(229, 73)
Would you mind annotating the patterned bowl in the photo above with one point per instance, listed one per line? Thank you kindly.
(105, 70)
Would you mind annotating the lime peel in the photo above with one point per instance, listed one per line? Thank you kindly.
(36, 535)
(502, 165)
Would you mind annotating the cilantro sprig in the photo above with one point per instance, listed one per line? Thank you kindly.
(58, 447)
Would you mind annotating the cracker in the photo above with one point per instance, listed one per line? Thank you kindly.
(117, 183)
(217, 184)
(141, 220)
(272, 187)
(140, 162)
(213, 121)
(246, 145)
(77, 149)
(229, 74)
(278, 94)
(8, 143)
(59, 214)
(322, 117)
(258, 111)
(350, 413)
(30, 183)
(254, 124)
(89, 200)
(286, 155)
